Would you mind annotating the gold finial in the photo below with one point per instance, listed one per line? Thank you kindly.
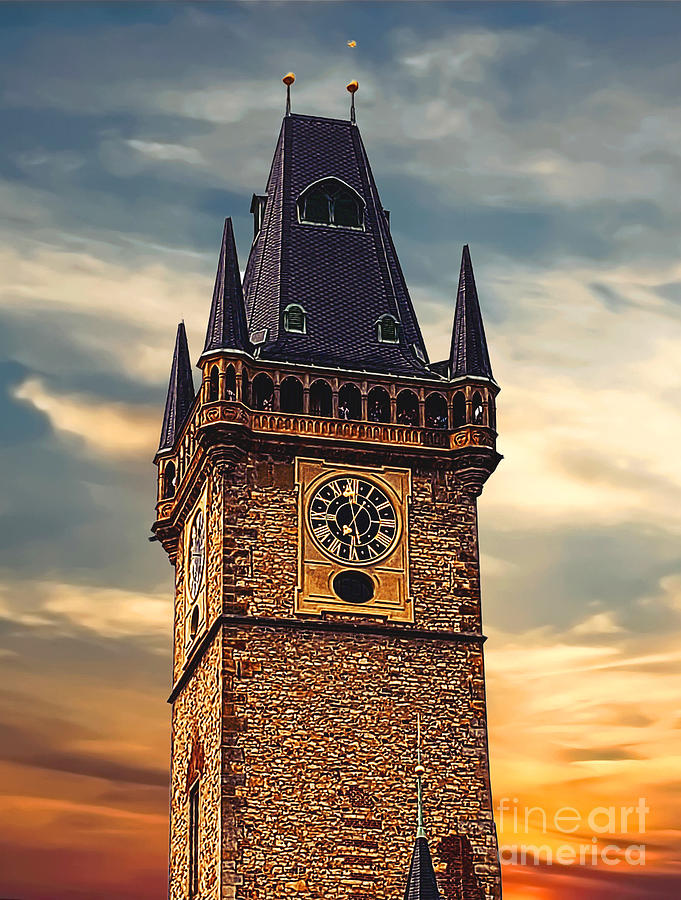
(352, 88)
(288, 80)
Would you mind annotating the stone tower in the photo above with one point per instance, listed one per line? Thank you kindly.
(317, 499)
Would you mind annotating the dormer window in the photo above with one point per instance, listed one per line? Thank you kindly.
(331, 202)
(295, 319)
(388, 330)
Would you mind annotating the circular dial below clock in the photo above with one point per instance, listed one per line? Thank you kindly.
(197, 554)
(353, 520)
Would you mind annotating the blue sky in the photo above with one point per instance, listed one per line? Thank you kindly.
(548, 137)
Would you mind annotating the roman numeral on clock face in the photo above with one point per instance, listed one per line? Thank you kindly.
(385, 538)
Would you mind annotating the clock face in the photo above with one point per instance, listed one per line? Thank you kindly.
(353, 520)
(197, 554)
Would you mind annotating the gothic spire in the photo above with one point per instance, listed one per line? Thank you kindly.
(421, 881)
(180, 392)
(227, 322)
(468, 355)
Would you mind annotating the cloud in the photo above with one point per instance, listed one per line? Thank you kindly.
(113, 430)
(122, 316)
(110, 612)
(38, 751)
(166, 152)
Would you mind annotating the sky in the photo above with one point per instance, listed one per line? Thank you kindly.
(548, 137)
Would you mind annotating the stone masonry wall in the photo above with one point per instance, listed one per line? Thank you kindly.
(196, 752)
(325, 724)
(307, 739)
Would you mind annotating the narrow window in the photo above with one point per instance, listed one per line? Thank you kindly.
(317, 208)
(477, 409)
(169, 481)
(345, 210)
(291, 396)
(387, 329)
(436, 411)
(459, 409)
(194, 839)
(321, 399)
(379, 405)
(230, 383)
(262, 393)
(407, 408)
(349, 402)
(214, 386)
(295, 319)
(194, 623)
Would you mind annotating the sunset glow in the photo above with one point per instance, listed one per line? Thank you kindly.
(546, 136)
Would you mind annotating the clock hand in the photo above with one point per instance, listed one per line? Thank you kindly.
(354, 518)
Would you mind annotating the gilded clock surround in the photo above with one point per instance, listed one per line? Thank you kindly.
(317, 569)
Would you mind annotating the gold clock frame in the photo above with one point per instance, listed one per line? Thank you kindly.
(316, 569)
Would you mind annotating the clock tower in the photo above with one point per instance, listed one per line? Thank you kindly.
(317, 498)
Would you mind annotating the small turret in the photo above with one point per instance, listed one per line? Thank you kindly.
(227, 322)
(470, 372)
(180, 392)
(468, 354)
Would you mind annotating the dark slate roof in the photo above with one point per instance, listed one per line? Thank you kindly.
(421, 882)
(180, 392)
(344, 278)
(468, 355)
(227, 323)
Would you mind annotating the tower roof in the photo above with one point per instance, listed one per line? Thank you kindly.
(468, 354)
(180, 392)
(345, 278)
(421, 883)
(227, 323)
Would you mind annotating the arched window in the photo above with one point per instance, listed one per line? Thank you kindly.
(263, 392)
(349, 402)
(379, 405)
(436, 411)
(388, 330)
(295, 319)
(330, 202)
(194, 622)
(168, 489)
(291, 396)
(320, 398)
(478, 410)
(230, 383)
(459, 409)
(214, 384)
(407, 408)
